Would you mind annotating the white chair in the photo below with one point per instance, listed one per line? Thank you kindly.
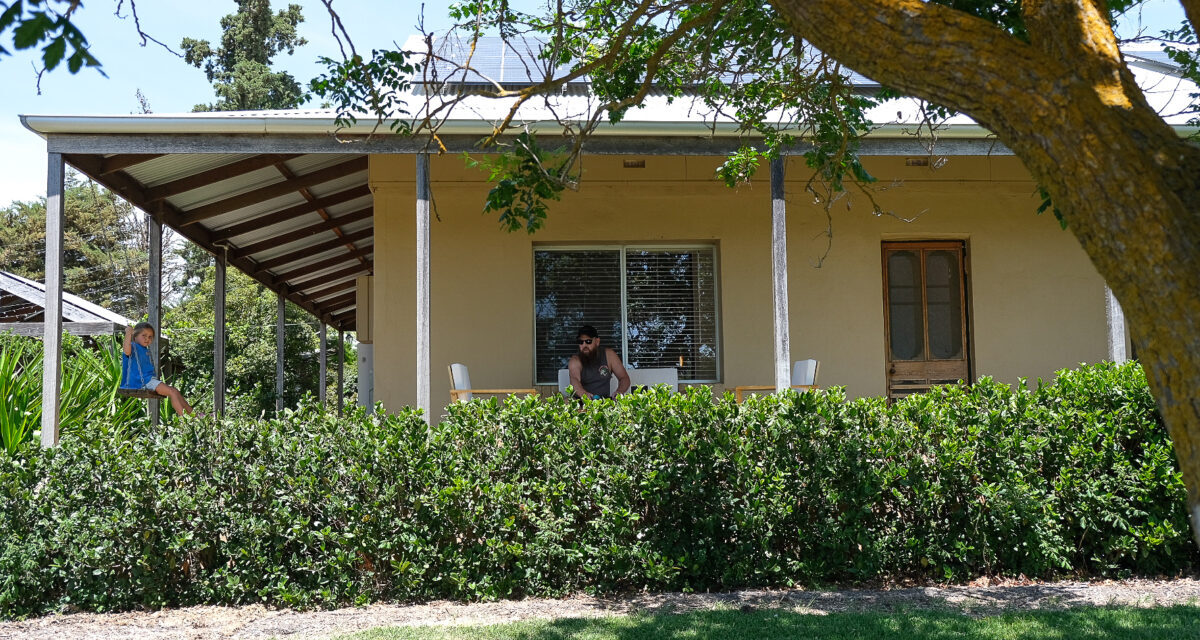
(648, 377)
(460, 385)
(804, 378)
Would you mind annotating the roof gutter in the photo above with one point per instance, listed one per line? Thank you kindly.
(45, 125)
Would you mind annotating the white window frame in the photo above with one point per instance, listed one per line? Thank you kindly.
(622, 248)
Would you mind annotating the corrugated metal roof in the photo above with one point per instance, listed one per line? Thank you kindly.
(75, 309)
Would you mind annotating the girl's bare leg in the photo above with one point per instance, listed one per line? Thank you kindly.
(174, 398)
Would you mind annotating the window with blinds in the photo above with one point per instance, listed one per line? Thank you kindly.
(656, 306)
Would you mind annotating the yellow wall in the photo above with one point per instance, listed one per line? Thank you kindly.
(1036, 303)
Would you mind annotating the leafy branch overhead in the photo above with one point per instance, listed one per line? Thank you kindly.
(47, 24)
(738, 60)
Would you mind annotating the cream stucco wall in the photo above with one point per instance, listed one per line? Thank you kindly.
(1036, 303)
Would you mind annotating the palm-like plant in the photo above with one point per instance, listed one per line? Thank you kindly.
(90, 378)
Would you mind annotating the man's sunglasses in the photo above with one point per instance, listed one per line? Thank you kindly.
(584, 341)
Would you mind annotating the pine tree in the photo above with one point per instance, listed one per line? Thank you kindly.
(240, 69)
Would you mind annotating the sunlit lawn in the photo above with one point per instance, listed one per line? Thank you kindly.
(1175, 623)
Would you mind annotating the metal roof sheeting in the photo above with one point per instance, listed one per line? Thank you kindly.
(74, 309)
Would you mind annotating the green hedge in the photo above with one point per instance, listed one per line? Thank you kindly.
(654, 491)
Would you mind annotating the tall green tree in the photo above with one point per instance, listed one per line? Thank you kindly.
(249, 348)
(104, 245)
(240, 68)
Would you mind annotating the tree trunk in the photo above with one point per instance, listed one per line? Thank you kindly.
(1065, 103)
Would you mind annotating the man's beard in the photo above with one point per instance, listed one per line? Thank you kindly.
(587, 358)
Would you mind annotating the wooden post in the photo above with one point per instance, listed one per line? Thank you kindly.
(154, 302)
(280, 311)
(341, 365)
(219, 336)
(1115, 319)
(422, 284)
(783, 376)
(321, 368)
(52, 331)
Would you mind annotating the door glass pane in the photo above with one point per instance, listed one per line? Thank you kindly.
(942, 287)
(572, 288)
(904, 305)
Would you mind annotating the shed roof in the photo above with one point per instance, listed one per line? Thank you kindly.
(22, 299)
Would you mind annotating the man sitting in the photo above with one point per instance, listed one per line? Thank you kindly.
(594, 366)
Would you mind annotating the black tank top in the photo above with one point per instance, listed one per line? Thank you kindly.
(595, 376)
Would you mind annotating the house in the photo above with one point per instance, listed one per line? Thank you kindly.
(961, 277)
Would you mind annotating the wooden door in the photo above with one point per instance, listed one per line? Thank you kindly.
(925, 309)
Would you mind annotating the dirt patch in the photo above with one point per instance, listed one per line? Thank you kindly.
(219, 623)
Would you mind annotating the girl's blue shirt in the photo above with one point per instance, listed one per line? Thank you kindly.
(136, 369)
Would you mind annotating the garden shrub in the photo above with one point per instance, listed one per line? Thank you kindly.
(653, 491)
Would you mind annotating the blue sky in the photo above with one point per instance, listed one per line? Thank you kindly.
(171, 86)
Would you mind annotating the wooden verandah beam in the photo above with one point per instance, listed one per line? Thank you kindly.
(283, 215)
(288, 258)
(213, 176)
(124, 161)
(300, 234)
(272, 191)
(309, 269)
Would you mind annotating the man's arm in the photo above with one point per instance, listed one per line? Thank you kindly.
(127, 346)
(575, 369)
(618, 370)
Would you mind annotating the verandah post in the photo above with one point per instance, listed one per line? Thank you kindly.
(219, 337)
(154, 300)
(52, 332)
(341, 366)
(321, 367)
(280, 310)
(423, 402)
(783, 377)
(1115, 321)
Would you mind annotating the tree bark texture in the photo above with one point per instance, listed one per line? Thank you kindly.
(1066, 104)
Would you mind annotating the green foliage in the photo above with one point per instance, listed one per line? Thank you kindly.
(653, 491)
(374, 86)
(526, 178)
(240, 69)
(250, 347)
(90, 376)
(34, 22)
(1048, 204)
(1187, 57)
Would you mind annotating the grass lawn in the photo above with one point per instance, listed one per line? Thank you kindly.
(1174, 623)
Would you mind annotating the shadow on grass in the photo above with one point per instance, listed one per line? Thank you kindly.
(1182, 623)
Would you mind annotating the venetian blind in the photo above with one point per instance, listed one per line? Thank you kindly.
(671, 311)
(571, 289)
(670, 307)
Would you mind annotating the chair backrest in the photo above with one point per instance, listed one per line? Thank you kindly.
(805, 372)
(460, 379)
(637, 377)
(653, 376)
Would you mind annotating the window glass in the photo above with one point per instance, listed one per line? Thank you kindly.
(573, 288)
(945, 309)
(671, 312)
(670, 307)
(907, 328)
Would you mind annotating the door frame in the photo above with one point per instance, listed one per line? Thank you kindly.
(965, 297)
